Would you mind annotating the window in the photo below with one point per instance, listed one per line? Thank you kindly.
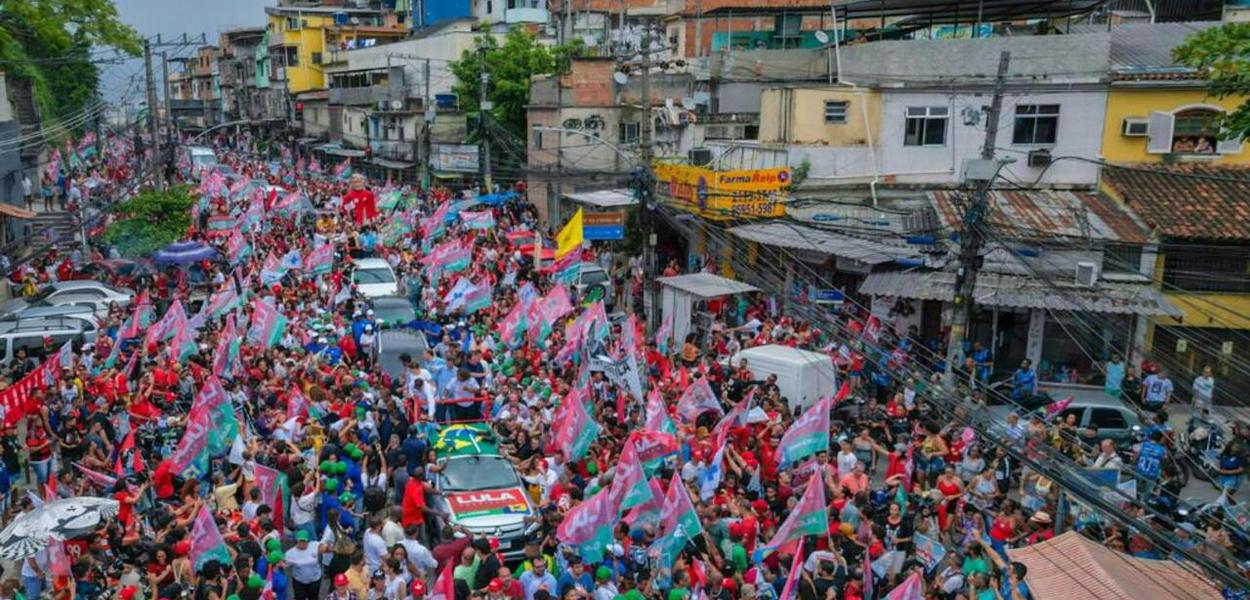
(292, 24)
(926, 126)
(1107, 418)
(1036, 124)
(316, 58)
(628, 133)
(1195, 131)
(1207, 268)
(538, 137)
(835, 112)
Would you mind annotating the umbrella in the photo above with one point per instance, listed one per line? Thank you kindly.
(184, 253)
(61, 519)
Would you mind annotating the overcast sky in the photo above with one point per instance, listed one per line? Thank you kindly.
(171, 19)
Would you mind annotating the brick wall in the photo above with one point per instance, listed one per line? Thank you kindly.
(591, 82)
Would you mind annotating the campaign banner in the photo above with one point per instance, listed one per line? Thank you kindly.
(488, 503)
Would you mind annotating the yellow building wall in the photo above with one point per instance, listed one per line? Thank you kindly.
(307, 39)
(1139, 103)
(798, 116)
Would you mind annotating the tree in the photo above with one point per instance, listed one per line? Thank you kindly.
(49, 43)
(1222, 55)
(510, 66)
(151, 220)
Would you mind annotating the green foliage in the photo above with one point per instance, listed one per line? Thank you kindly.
(1222, 55)
(48, 42)
(799, 172)
(510, 66)
(151, 221)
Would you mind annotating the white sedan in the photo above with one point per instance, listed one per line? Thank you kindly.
(374, 277)
(97, 295)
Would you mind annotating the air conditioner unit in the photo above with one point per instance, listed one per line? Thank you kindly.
(1135, 127)
(700, 156)
(1039, 158)
(1086, 274)
(788, 25)
(397, 105)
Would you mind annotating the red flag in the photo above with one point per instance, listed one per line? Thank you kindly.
(843, 391)
(872, 329)
(1057, 407)
(445, 587)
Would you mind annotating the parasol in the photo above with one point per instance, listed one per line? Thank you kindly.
(61, 519)
(184, 253)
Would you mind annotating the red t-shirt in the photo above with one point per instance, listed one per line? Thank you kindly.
(362, 204)
(163, 479)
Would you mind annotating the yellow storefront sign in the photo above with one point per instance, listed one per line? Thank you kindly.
(723, 195)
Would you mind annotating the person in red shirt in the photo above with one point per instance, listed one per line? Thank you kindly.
(163, 479)
(359, 201)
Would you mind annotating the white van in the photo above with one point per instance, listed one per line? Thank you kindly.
(201, 156)
(30, 334)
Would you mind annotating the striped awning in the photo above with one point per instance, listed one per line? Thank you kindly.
(1073, 567)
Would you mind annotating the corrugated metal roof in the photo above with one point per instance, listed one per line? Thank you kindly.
(1149, 45)
(707, 285)
(793, 235)
(994, 289)
(1054, 213)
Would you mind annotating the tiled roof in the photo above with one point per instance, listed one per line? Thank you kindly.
(1191, 201)
(1062, 214)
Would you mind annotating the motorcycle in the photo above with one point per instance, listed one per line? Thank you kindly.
(1200, 446)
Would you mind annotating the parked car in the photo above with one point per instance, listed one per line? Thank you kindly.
(201, 156)
(1114, 418)
(374, 277)
(98, 295)
(32, 334)
(85, 314)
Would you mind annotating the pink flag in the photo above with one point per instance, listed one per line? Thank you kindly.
(664, 333)
(807, 435)
(162, 328)
(679, 510)
(696, 400)
(270, 483)
(58, 558)
(790, 591)
(206, 541)
(1056, 407)
(589, 521)
(648, 512)
(629, 488)
(657, 413)
(296, 405)
(912, 588)
(809, 517)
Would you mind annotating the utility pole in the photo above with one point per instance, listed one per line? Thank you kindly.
(169, 111)
(428, 122)
(970, 240)
(152, 120)
(647, 179)
(484, 106)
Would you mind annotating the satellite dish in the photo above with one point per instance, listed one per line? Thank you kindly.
(397, 104)
(688, 103)
(355, 20)
(822, 37)
(590, 41)
(620, 78)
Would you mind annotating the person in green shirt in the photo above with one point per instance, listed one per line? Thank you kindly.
(974, 560)
(466, 571)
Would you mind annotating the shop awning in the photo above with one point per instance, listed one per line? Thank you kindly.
(344, 152)
(392, 164)
(707, 285)
(16, 212)
(994, 289)
(801, 237)
(447, 175)
(306, 140)
(604, 198)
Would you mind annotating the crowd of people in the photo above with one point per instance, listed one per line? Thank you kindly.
(257, 448)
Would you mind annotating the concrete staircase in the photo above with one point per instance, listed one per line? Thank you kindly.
(56, 227)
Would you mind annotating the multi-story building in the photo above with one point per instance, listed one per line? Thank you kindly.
(300, 36)
(247, 96)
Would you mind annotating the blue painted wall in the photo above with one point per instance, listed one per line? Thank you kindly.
(434, 12)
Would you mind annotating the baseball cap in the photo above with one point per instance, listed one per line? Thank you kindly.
(418, 587)
(301, 536)
(128, 592)
(340, 580)
(495, 585)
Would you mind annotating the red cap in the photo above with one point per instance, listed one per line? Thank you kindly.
(494, 543)
(127, 592)
(340, 580)
(495, 585)
(729, 584)
(759, 506)
(418, 587)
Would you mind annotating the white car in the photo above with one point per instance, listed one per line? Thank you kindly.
(201, 156)
(374, 277)
(97, 295)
